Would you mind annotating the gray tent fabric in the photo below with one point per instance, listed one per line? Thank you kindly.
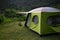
(45, 9)
(28, 20)
(42, 9)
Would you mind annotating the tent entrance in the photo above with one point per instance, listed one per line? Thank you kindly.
(27, 23)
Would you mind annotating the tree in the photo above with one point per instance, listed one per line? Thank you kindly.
(10, 13)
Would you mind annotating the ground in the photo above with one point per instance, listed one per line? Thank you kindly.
(12, 31)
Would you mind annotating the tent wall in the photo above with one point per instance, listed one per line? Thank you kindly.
(42, 27)
(45, 28)
(33, 26)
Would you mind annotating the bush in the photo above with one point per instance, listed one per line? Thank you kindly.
(22, 18)
(1, 19)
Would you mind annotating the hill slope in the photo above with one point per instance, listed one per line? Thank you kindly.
(27, 4)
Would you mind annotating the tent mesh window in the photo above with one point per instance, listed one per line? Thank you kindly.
(35, 19)
(54, 20)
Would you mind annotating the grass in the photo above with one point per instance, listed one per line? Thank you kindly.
(12, 31)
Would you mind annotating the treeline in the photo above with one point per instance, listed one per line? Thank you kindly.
(10, 15)
(28, 4)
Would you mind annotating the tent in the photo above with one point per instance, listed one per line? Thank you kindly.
(44, 20)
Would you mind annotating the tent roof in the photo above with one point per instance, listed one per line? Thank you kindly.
(45, 9)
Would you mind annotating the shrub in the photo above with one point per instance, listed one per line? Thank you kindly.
(1, 18)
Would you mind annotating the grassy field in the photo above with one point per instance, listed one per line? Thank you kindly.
(12, 31)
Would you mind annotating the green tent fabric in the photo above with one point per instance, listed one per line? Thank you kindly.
(42, 14)
(57, 29)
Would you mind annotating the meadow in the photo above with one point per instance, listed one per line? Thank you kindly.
(13, 31)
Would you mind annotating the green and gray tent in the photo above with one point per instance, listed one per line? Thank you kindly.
(44, 20)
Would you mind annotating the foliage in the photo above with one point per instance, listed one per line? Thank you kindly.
(58, 6)
(10, 15)
(10, 12)
(28, 4)
(1, 18)
(22, 18)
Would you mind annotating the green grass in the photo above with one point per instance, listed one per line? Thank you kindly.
(12, 31)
